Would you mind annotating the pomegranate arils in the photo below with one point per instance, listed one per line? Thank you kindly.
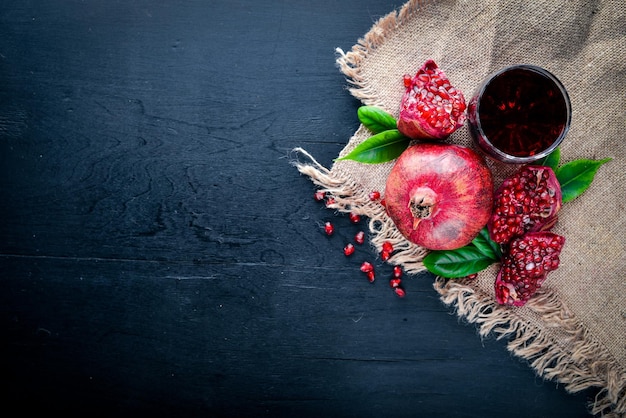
(319, 195)
(528, 201)
(395, 283)
(330, 202)
(387, 246)
(354, 218)
(374, 195)
(366, 267)
(385, 255)
(431, 107)
(329, 228)
(526, 265)
(400, 292)
(397, 272)
(359, 238)
(348, 250)
(370, 276)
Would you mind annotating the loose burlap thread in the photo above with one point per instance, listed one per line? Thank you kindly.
(574, 329)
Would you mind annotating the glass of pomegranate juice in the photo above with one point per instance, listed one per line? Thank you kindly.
(519, 114)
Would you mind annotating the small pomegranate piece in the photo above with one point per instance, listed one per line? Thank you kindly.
(348, 250)
(439, 195)
(330, 202)
(329, 228)
(431, 107)
(388, 247)
(385, 255)
(395, 283)
(319, 195)
(359, 238)
(366, 267)
(371, 276)
(374, 195)
(354, 218)
(526, 266)
(528, 201)
(400, 292)
(397, 272)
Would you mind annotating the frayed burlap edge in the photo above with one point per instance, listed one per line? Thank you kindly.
(578, 361)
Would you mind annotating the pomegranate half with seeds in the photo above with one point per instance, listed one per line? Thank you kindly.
(431, 107)
(439, 196)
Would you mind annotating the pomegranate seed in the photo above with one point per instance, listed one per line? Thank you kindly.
(359, 238)
(385, 255)
(354, 218)
(370, 276)
(400, 292)
(397, 272)
(330, 201)
(348, 250)
(319, 195)
(375, 195)
(329, 228)
(388, 247)
(366, 267)
(383, 202)
(394, 283)
(472, 276)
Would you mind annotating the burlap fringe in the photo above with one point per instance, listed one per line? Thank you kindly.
(578, 362)
(350, 62)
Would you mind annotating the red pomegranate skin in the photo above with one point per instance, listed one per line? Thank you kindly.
(439, 196)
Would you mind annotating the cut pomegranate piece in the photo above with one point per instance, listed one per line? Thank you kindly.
(431, 107)
(526, 266)
(528, 201)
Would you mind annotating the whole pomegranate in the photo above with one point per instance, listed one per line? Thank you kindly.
(431, 108)
(526, 265)
(528, 201)
(439, 195)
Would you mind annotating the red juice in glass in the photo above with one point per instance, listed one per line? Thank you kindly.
(519, 114)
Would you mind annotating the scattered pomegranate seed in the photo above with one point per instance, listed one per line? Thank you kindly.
(472, 276)
(329, 228)
(400, 292)
(330, 201)
(375, 195)
(354, 218)
(383, 202)
(385, 255)
(370, 276)
(394, 283)
(366, 267)
(388, 247)
(348, 250)
(319, 195)
(359, 238)
(397, 272)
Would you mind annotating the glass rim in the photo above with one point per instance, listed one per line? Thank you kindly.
(509, 158)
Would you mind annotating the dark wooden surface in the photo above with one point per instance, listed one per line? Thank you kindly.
(160, 256)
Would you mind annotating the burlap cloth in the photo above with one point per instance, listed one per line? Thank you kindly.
(574, 329)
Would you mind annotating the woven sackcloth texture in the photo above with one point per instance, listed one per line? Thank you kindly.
(574, 329)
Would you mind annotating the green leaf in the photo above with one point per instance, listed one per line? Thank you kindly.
(380, 148)
(551, 160)
(375, 119)
(486, 245)
(576, 176)
(457, 263)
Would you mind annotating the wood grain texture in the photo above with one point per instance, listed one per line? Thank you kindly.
(159, 255)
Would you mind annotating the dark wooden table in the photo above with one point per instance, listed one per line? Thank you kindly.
(159, 254)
